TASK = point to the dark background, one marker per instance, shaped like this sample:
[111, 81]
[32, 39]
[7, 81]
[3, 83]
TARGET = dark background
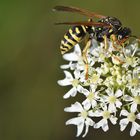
[31, 103]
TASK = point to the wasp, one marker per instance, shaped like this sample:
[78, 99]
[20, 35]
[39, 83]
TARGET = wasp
[105, 28]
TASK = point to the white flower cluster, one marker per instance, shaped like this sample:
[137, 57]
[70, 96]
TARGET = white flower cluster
[112, 90]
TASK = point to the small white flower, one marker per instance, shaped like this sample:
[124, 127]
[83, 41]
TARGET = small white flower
[131, 117]
[95, 79]
[110, 81]
[112, 99]
[82, 120]
[104, 69]
[133, 79]
[100, 53]
[69, 80]
[130, 59]
[91, 97]
[121, 80]
[106, 115]
[115, 70]
[134, 99]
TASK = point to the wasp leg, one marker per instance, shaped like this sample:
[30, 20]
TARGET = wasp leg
[105, 42]
[88, 44]
[114, 39]
[121, 43]
[118, 59]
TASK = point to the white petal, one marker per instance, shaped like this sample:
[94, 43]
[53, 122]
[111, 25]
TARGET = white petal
[138, 116]
[133, 130]
[74, 108]
[133, 107]
[82, 90]
[97, 113]
[77, 74]
[112, 108]
[105, 125]
[109, 92]
[88, 123]
[118, 104]
[135, 93]
[90, 113]
[71, 57]
[86, 104]
[79, 121]
[93, 103]
[118, 93]
[80, 65]
[64, 82]
[68, 75]
[102, 123]
[74, 56]
[124, 113]
[80, 128]
[73, 66]
[77, 49]
[66, 66]
[123, 123]
[137, 126]
[72, 92]
[128, 98]
[99, 124]
[85, 92]
[95, 53]
[104, 98]
[75, 121]
[113, 120]
[67, 80]
[93, 88]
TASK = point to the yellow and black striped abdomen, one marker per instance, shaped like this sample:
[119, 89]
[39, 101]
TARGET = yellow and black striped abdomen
[72, 37]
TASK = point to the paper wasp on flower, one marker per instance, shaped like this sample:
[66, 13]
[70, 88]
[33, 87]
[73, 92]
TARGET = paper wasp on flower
[106, 28]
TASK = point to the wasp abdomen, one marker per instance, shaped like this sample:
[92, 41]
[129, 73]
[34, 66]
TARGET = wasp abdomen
[72, 37]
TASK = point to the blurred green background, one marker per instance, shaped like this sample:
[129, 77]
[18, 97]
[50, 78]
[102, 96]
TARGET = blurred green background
[31, 103]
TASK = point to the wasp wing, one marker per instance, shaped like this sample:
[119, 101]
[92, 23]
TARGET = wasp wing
[78, 10]
[84, 23]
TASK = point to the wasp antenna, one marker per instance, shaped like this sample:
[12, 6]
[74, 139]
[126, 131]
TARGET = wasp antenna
[54, 9]
[58, 23]
[62, 23]
[58, 8]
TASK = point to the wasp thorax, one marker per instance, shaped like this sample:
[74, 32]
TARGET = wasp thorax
[114, 22]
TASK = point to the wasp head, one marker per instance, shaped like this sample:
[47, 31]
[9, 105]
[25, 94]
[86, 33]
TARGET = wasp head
[123, 33]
